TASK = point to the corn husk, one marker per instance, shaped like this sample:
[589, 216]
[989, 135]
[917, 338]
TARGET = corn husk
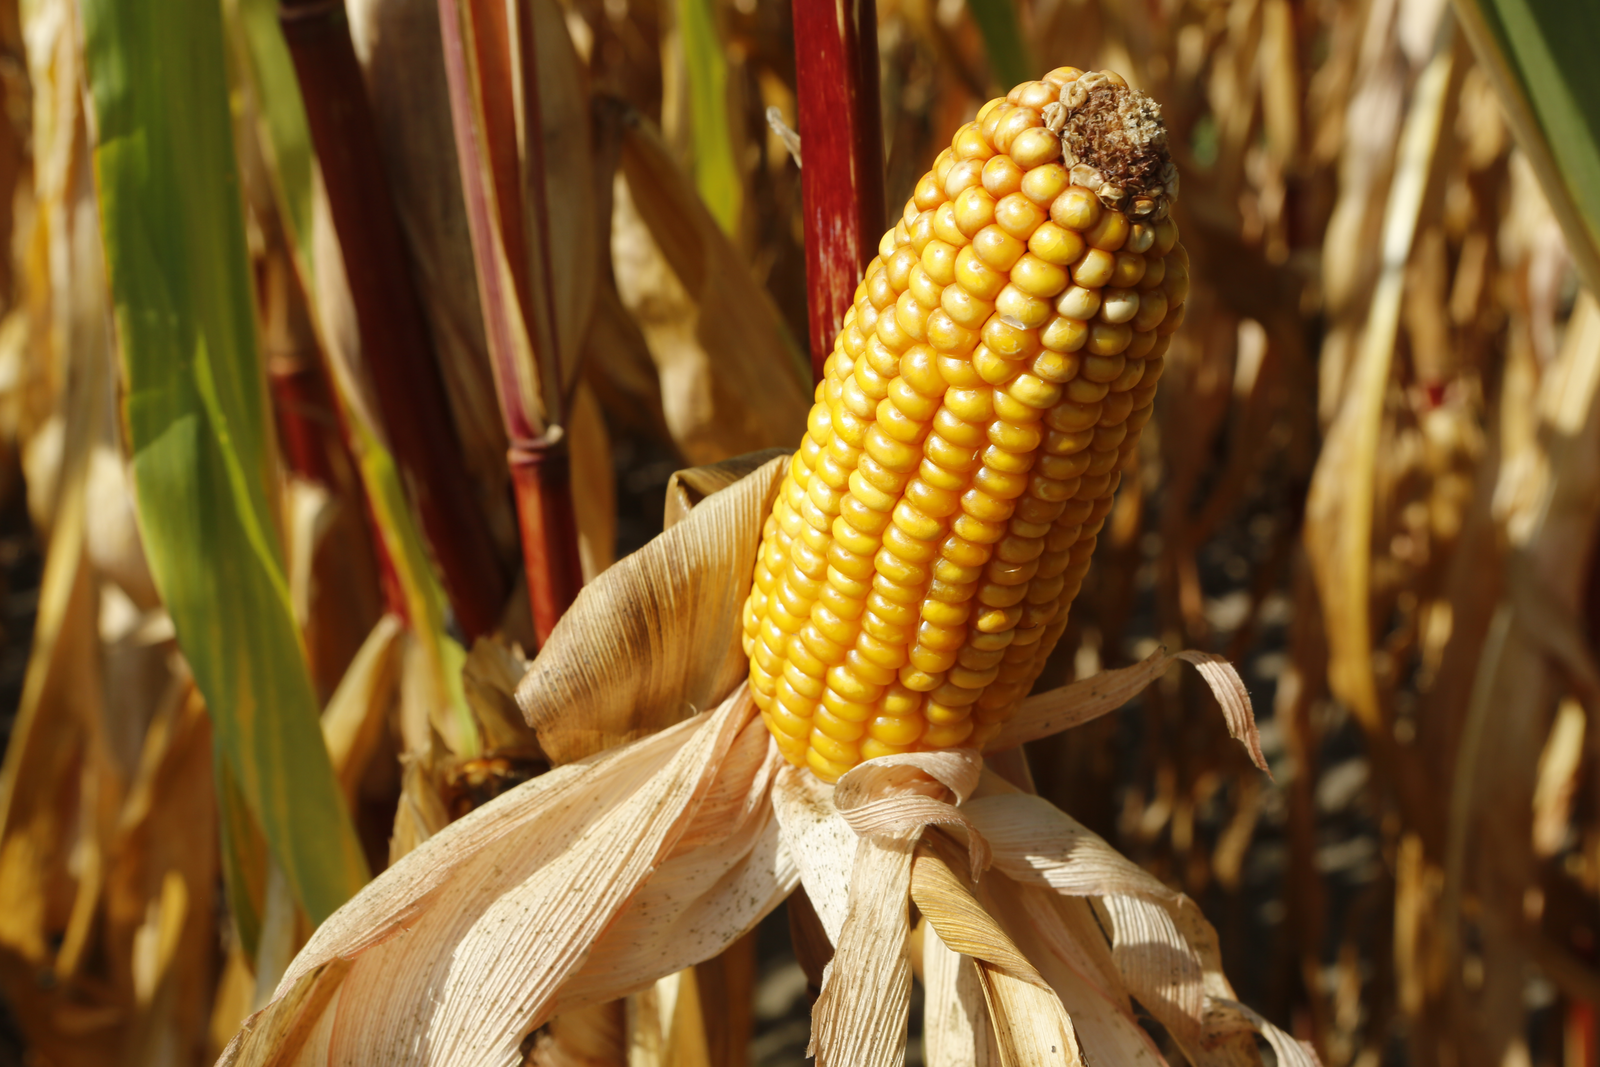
[620, 869]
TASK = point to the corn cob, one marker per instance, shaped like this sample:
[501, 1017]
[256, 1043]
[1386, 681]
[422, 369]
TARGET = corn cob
[985, 392]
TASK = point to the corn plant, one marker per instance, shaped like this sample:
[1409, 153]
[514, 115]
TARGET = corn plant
[292, 382]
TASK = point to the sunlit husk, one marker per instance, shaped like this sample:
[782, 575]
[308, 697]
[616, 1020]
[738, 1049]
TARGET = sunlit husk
[613, 872]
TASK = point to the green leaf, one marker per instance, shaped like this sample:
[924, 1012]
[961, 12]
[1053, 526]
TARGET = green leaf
[716, 174]
[244, 860]
[172, 222]
[287, 139]
[1541, 55]
[1009, 62]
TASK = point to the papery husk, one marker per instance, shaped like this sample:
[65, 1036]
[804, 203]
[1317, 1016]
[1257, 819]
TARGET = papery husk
[611, 873]
[698, 788]
[655, 638]
[1067, 945]
[1164, 950]
[503, 911]
[821, 842]
[955, 1020]
[690, 486]
[1030, 1023]
[860, 1016]
[1072, 705]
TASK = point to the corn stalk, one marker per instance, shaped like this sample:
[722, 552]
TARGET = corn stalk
[492, 62]
[405, 378]
[836, 70]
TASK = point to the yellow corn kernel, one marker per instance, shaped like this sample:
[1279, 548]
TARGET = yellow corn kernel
[1094, 268]
[990, 380]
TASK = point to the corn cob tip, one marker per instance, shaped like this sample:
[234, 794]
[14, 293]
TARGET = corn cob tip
[1113, 142]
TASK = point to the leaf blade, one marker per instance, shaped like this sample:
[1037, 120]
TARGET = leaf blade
[196, 410]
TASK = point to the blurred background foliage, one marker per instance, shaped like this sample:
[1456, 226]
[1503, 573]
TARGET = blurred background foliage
[1373, 481]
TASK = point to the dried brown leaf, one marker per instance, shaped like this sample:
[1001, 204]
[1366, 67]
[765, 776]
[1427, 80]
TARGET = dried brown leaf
[277, 1033]
[1060, 932]
[859, 1020]
[594, 491]
[358, 712]
[731, 378]
[542, 901]
[821, 842]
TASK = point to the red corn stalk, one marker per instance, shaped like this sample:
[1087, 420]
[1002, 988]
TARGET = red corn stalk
[519, 314]
[394, 334]
[841, 182]
[301, 404]
[314, 437]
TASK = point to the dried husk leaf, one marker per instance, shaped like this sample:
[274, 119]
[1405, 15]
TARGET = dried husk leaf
[1061, 944]
[821, 842]
[541, 901]
[728, 871]
[690, 486]
[894, 794]
[1073, 705]
[1225, 1016]
[955, 1020]
[278, 1033]
[860, 1016]
[1163, 948]
[656, 637]
[1066, 928]
[1030, 1024]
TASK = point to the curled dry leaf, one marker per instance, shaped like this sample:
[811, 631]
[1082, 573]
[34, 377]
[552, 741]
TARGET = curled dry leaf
[686, 488]
[955, 1020]
[357, 713]
[860, 1016]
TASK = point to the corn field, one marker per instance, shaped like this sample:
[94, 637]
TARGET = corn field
[432, 628]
